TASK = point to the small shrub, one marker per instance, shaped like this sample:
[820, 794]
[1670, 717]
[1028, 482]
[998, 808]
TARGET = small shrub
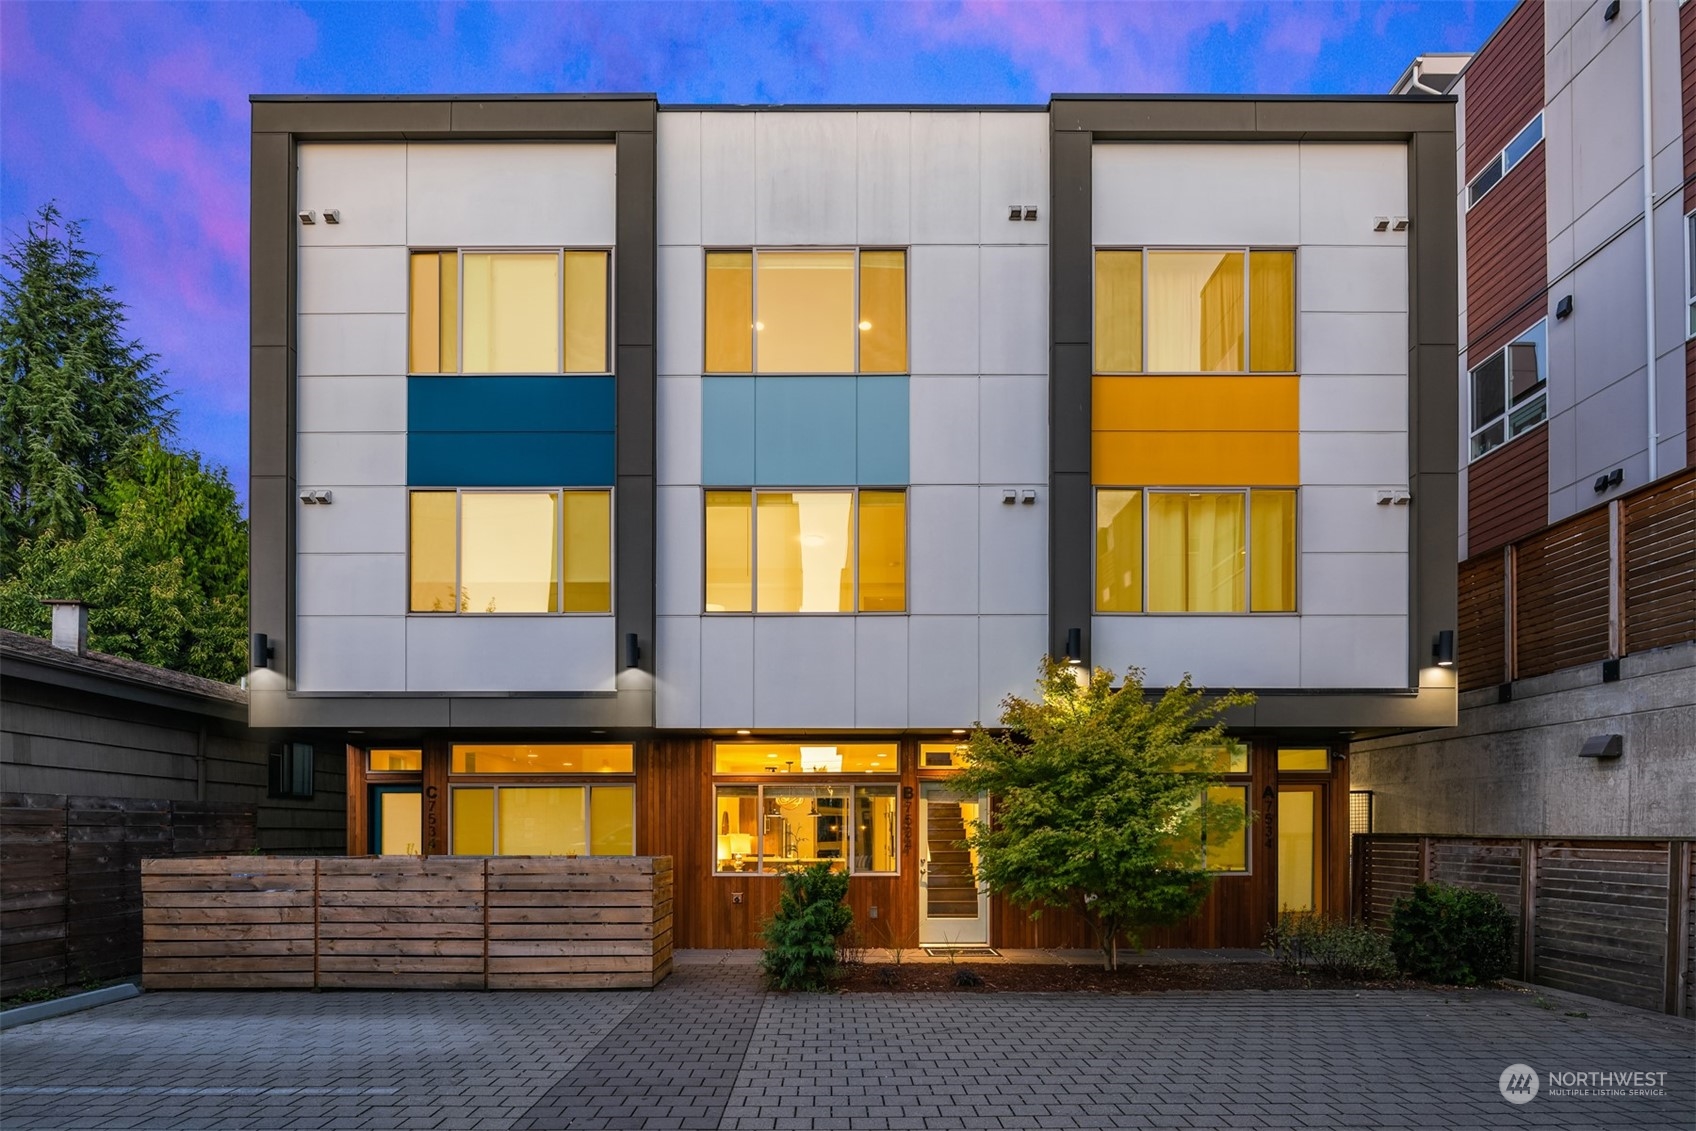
[965, 977]
[802, 939]
[1304, 943]
[1453, 935]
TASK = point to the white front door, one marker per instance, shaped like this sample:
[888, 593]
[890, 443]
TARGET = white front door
[953, 908]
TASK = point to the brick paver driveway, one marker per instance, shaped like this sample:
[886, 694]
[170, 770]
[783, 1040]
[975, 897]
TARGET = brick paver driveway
[708, 1049]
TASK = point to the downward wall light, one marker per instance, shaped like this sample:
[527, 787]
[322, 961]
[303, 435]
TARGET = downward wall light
[262, 650]
[632, 650]
[1443, 648]
[1074, 645]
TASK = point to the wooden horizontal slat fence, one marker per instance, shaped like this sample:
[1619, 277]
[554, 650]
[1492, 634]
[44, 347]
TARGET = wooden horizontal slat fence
[1611, 918]
[70, 879]
[1615, 579]
[388, 922]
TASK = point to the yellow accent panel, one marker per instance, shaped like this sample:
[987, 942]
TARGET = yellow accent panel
[1197, 459]
[1196, 404]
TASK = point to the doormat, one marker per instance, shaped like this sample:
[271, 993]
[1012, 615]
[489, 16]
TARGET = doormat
[962, 952]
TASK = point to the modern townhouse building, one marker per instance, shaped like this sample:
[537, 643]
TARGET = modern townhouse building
[689, 480]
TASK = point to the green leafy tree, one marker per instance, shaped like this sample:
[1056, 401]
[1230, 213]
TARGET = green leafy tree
[164, 573]
[79, 397]
[1101, 800]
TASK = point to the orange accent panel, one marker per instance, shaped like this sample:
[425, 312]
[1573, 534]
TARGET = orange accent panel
[1197, 404]
[1197, 459]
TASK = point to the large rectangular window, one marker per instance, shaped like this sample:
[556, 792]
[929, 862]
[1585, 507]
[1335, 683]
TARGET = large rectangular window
[1509, 390]
[543, 820]
[806, 551]
[509, 312]
[510, 552]
[770, 828]
[812, 311]
[1223, 310]
[1177, 551]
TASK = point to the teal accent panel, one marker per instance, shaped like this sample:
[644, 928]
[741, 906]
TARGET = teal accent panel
[510, 431]
[510, 404]
[509, 459]
[882, 431]
[804, 431]
[727, 431]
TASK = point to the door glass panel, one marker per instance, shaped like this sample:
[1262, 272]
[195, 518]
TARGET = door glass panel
[951, 887]
[400, 822]
[1298, 850]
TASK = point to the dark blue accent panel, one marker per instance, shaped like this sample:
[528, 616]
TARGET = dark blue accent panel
[510, 404]
[509, 459]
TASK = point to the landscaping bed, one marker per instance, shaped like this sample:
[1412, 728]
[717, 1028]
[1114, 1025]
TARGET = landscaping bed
[1023, 977]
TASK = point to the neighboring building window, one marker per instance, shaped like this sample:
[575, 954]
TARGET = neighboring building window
[1690, 276]
[825, 551]
[806, 311]
[1510, 390]
[510, 552]
[1512, 154]
[1213, 311]
[771, 826]
[291, 771]
[1177, 551]
[582, 817]
[509, 312]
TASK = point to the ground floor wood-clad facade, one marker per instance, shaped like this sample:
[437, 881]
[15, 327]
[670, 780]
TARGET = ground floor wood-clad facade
[732, 812]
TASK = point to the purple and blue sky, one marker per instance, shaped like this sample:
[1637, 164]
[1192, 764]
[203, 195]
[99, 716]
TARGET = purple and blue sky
[134, 116]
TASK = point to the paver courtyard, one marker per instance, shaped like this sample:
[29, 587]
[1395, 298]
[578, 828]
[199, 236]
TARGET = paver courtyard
[709, 1049]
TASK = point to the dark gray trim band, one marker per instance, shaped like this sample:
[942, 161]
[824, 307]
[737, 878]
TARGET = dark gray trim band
[1426, 125]
[280, 124]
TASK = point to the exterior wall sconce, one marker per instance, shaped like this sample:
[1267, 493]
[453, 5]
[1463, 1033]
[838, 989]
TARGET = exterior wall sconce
[632, 650]
[1021, 212]
[263, 650]
[1400, 224]
[1611, 12]
[1030, 212]
[332, 215]
[1074, 646]
[1443, 648]
[1028, 498]
[1393, 496]
[1563, 308]
[1009, 497]
[317, 497]
[1608, 479]
[1380, 223]
[1603, 746]
[307, 216]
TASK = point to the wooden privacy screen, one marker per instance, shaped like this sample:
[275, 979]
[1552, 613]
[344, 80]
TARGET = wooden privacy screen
[1481, 622]
[388, 922]
[1660, 566]
[1610, 918]
[1560, 614]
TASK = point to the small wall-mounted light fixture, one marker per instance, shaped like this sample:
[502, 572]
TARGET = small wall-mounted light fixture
[1009, 496]
[1400, 224]
[1074, 646]
[1392, 496]
[319, 496]
[262, 651]
[1608, 479]
[1611, 12]
[632, 650]
[1603, 746]
[1030, 212]
[1015, 212]
[1380, 223]
[307, 216]
[1027, 497]
[1563, 308]
[1443, 648]
[332, 215]
[744, 732]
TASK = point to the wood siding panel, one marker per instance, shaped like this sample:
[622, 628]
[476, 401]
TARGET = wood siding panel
[1481, 622]
[1504, 85]
[1507, 258]
[1660, 565]
[1687, 83]
[1560, 614]
[1507, 492]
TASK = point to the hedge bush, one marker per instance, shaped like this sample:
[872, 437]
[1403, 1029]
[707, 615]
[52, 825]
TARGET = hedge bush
[1303, 942]
[802, 940]
[1450, 934]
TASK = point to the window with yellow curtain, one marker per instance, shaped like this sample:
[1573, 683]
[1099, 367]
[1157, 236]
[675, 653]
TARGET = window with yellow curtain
[1118, 551]
[586, 569]
[730, 312]
[586, 312]
[883, 551]
[803, 551]
[511, 312]
[730, 551]
[433, 547]
[883, 312]
[1272, 311]
[1195, 552]
[509, 551]
[1272, 551]
[1195, 311]
[433, 331]
[804, 312]
[1118, 311]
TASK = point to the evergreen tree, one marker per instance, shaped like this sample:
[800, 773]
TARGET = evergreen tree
[79, 398]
